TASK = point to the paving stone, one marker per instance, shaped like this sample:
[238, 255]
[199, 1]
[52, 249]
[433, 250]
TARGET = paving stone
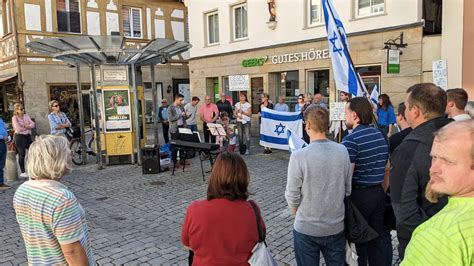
[133, 222]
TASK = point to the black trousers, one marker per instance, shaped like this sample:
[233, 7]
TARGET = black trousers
[371, 203]
[208, 134]
[166, 132]
[22, 143]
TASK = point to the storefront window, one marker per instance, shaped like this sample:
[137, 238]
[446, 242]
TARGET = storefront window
[287, 84]
[231, 95]
[318, 82]
[66, 95]
[371, 76]
[149, 100]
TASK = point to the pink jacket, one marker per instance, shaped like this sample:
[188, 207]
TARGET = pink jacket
[20, 124]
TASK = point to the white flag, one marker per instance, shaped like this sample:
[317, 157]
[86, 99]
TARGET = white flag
[344, 72]
[274, 126]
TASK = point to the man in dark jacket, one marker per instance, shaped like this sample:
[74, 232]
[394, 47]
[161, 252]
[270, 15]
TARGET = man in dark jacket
[225, 106]
[411, 161]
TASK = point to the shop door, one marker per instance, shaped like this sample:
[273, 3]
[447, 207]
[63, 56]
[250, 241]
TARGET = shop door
[256, 85]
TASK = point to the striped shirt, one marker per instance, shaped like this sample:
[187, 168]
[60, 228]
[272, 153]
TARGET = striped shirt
[368, 150]
[445, 239]
[49, 215]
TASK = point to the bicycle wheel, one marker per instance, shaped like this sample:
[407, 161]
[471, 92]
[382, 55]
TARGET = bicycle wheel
[76, 151]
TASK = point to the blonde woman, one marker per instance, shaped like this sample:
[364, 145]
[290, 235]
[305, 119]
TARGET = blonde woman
[52, 222]
[22, 125]
[58, 120]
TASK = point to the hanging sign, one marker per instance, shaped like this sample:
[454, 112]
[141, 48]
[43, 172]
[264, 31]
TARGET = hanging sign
[440, 74]
[393, 61]
[239, 83]
[117, 110]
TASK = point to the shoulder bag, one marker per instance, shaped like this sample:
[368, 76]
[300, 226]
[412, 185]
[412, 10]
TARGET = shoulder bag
[260, 254]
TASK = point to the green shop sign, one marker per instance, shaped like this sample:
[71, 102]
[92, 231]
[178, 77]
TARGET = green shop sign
[252, 62]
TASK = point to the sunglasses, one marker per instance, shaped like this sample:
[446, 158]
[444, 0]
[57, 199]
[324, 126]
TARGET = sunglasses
[55, 105]
[300, 98]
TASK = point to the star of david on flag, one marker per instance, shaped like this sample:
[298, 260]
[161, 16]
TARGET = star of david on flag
[344, 72]
[274, 127]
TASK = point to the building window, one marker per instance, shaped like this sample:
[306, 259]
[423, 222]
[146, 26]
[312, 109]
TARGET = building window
[318, 82]
[5, 26]
[132, 22]
[69, 16]
[287, 84]
[370, 76]
[240, 22]
[315, 14]
[212, 28]
[66, 95]
[366, 8]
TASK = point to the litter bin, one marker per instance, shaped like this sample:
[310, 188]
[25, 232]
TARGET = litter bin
[11, 170]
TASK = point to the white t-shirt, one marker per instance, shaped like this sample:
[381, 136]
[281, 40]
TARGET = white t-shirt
[241, 108]
[191, 112]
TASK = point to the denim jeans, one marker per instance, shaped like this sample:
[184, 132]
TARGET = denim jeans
[308, 249]
[3, 158]
[193, 127]
[244, 134]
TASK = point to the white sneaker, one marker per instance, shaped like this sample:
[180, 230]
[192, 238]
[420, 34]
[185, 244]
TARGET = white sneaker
[247, 152]
[23, 175]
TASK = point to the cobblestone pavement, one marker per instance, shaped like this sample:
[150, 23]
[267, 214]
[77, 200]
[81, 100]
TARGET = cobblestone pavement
[133, 220]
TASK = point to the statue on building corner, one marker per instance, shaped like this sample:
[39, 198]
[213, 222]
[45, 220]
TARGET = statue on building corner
[271, 10]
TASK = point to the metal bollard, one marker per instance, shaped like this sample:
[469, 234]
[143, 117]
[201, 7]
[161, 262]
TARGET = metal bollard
[11, 170]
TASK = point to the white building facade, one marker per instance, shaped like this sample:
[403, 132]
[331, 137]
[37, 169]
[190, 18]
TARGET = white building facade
[287, 54]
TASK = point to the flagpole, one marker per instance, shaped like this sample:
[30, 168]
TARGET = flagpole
[361, 84]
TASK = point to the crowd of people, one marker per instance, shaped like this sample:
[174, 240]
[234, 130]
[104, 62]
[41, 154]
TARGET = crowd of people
[418, 181]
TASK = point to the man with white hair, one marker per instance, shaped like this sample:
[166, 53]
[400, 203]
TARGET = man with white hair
[448, 237]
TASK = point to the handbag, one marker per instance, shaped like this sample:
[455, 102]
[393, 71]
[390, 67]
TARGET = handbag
[260, 254]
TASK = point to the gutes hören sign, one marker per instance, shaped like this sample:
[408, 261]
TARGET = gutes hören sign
[310, 55]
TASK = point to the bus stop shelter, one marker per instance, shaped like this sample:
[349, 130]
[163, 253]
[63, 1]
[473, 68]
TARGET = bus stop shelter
[93, 51]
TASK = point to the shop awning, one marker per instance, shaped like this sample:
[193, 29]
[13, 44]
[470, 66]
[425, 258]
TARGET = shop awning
[105, 50]
[7, 77]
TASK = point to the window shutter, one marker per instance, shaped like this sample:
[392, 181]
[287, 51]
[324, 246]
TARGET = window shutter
[74, 16]
[137, 32]
[126, 22]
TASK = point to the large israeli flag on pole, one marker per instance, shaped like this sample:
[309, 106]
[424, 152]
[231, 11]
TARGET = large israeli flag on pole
[344, 73]
[274, 125]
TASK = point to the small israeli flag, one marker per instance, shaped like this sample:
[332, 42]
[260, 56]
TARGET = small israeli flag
[295, 142]
[274, 126]
[374, 96]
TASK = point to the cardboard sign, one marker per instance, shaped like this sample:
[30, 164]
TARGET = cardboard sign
[239, 83]
[440, 74]
[336, 111]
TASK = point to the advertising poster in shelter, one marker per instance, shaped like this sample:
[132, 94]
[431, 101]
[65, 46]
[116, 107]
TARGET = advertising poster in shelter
[117, 110]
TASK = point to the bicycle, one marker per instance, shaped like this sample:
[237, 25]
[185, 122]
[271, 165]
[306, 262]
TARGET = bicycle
[75, 146]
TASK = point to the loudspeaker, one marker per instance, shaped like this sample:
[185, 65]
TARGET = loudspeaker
[151, 161]
[151, 165]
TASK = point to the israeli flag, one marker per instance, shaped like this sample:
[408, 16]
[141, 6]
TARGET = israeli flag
[374, 96]
[295, 142]
[344, 72]
[274, 125]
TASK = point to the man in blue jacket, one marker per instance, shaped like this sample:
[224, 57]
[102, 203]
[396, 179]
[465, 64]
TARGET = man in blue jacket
[3, 153]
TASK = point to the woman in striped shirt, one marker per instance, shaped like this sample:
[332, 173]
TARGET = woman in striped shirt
[52, 222]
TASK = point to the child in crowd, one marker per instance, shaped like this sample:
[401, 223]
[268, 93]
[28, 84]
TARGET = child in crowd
[224, 121]
[232, 137]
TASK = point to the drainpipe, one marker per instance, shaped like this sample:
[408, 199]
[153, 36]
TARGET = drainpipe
[19, 85]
